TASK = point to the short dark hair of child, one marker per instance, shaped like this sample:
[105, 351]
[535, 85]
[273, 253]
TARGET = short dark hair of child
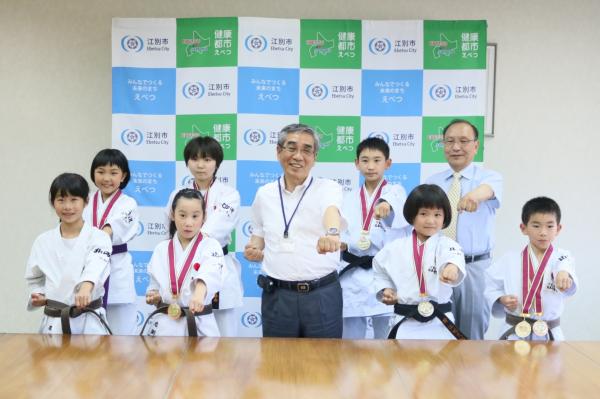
[429, 196]
[540, 205]
[203, 147]
[110, 156]
[466, 122]
[184, 193]
[373, 143]
[69, 184]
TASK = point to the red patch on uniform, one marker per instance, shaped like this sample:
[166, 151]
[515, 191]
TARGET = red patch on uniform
[196, 266]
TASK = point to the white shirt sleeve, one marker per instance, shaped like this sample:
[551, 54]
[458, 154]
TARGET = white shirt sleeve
[449, 251]
[211, 262]
[494, 285]
[222, 220]
[567, 263]
[396, 197]
[381, 278]
[34, 276]
[96, 266]
[124, 220]
[257, 216]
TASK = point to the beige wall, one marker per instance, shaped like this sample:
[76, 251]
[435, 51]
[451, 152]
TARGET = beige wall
[55, 112]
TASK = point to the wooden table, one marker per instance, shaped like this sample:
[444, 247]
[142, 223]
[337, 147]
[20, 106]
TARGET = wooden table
[40, 366]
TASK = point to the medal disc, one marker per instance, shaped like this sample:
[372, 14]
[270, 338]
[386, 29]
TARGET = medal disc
[174, 311]
[363, 242]
[523, 329]
[425, 308]
[540, 328]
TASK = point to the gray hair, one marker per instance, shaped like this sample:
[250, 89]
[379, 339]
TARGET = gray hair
[298, 128]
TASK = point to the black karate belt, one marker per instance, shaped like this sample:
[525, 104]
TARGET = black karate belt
[65, 312]
[162, 307]
[366, 262]
[119, 249]
[269, 283]
[514, 320]
[439, 311]
[476, 258]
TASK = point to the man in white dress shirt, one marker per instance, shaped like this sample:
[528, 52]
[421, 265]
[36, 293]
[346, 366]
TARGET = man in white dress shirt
[296, 222]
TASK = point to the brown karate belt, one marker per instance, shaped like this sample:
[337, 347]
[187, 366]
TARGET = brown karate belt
[514, 320]
[190, 317]
[65, 312]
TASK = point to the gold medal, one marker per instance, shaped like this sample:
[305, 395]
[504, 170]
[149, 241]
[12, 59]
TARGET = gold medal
[540, 328]
[363, 241]
[523, 329]
[425, 308]
[174, 310]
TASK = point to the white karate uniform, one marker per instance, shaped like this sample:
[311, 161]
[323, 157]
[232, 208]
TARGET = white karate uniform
[394, 268]
[357, 284]
[505, 277]
[209, 257]
[123, 220]
[56, 268]
[221, 219]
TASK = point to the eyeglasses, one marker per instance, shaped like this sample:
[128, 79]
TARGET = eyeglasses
[461, 142]
[293, 149]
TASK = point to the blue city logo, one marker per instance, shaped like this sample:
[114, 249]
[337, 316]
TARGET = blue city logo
[132, 44]
[247, 229]
[381, 135]
[439, 92]
[255, 43]
[251, 319]
[380, 46]
[255, 137]
[317, 91]
[187, 181]
[132, 137]
[140, 229]
[193, 90]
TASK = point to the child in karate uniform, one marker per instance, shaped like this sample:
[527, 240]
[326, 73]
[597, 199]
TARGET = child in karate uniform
[416, 273]
[68, 265]
[203, 155]
[528, 288]
[185, 273]
[116, 214]
[373, 212]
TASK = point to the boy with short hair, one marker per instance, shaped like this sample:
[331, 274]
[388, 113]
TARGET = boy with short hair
[528, 288]
[372, 214]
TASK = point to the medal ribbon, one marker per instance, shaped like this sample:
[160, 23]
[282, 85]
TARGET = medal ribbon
[288, 222]
[532, 282]
[366, 217]
[177, 282]
[106, 211]
[205, 196]
[418, 258]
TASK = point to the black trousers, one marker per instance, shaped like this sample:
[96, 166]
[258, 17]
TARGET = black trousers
[316, 314]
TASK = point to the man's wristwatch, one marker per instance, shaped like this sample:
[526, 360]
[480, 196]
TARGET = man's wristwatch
[332, 231]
